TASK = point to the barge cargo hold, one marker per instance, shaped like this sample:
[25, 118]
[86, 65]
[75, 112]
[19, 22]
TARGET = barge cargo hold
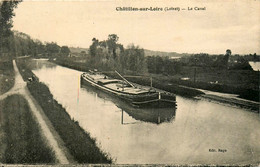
[136, 96]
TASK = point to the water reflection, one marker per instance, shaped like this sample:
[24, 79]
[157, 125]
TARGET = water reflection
[150, 115]
[41, 63]
[156, 116]
[255, 65]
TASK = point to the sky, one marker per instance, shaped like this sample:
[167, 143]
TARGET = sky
[233, 24]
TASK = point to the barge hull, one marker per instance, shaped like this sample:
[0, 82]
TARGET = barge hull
[157, 102]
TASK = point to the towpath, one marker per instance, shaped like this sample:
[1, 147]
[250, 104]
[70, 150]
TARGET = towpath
[232, 99]
[53, 139]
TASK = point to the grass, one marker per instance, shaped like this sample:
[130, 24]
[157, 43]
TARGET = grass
[6, 76]
[23, 142]
[81, 146]
[245, 83]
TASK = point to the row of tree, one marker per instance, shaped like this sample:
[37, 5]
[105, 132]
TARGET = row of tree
[21, 44]
[217, 61]
[109, 54]
[165, 65]
[206, 60]
[6, 15]
[13, 43]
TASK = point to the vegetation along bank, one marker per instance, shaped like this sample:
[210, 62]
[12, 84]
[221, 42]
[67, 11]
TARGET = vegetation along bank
[81, 146]
[6, 76]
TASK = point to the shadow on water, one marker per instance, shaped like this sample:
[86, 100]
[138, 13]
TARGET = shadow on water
[149, 115]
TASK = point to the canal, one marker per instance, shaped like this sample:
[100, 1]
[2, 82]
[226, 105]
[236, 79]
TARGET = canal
[255, 65]
[197, 131]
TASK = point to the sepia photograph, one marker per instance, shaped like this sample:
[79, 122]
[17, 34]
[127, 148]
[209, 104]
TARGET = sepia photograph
[129, 83]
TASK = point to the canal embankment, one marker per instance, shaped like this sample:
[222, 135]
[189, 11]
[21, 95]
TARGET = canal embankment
[80, 145]
[231, 99]
[247, 104]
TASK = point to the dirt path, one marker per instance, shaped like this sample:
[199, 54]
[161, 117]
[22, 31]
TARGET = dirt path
[48, 132]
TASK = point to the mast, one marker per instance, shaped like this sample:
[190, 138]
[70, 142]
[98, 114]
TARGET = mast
[124, 79]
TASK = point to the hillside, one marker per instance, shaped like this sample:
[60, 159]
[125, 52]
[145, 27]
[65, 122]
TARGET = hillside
[78, 50]
[146, 51]
[163, 54]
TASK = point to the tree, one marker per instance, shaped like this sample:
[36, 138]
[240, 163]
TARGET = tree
[113, 37]
[151, 64]
[83, 53]
[168, 66]
[135, 58]
[93, 47]
[159, 66]
[40, 47]
[52, 48]
[65, 50]
[226, 58]
[108, 53]
[112, 44]
[6, 15]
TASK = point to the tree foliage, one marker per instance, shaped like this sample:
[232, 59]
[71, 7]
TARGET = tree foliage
[65, 50]
[110, 54]
[21, 44]
[163, 65]
[52, 48]
[135, 58]
[6, 15]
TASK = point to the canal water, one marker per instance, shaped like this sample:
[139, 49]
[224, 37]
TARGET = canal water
[197, 132]
[255, 65]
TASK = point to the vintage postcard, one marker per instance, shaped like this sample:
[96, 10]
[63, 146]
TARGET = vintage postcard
[130, 83]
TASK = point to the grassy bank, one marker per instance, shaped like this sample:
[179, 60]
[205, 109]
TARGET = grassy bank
[22, 142]
[242, 82]
[157, 82]
[6, 76]
[81, 146]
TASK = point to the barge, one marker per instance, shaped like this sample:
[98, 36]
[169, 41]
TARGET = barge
[136, 96]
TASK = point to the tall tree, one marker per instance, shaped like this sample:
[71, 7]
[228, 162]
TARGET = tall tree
[52, 48]
[6, 15]
[65, 50]
[112, 44]
[93, 48]
[136, 60]
[226, 57]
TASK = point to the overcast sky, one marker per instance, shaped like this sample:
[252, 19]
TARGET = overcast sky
[223, 25]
